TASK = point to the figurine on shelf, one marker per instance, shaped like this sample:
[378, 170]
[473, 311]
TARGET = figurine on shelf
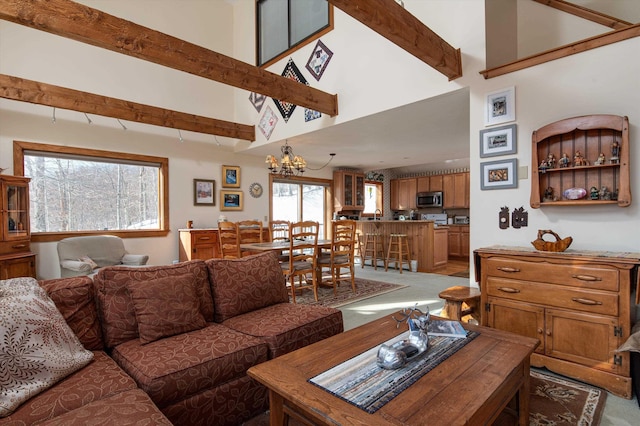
[578, 160]
[543, 166]
[601, 159]
[614, 195]
[594, 193]
[615, 152]
[548, 195]
[604, 193]
[564, 160]
[551, 161]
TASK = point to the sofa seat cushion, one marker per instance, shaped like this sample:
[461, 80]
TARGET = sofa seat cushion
[288, 326]
[177, 367]
[115, 304]
[246, 284]
[100, 379]
[133, 407]
[75, 299]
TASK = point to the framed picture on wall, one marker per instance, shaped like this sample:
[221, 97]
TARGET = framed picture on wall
[500, 106]
[204, 192]
[499, 174]
[498, 141]
[231, 200]
[230, 176]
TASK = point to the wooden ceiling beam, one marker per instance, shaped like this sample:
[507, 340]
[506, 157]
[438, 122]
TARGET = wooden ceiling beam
[19, 89]
[85, 24]
[586, 13]
[393, 22]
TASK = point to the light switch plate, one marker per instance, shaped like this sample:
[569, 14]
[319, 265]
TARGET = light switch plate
[523, 172]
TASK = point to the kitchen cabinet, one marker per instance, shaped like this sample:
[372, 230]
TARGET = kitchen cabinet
[198, 244]
[348, 190]
[458, 239]
[431, 183]
[456, 190]
[577, 304]
[565, 157]
[16, 258]
[403, 193]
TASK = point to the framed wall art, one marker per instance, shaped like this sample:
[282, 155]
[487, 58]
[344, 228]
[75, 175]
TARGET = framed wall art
[230, 176]
[231, 200]
[204, 192]
[500, 106]
[498, 141]
[499, 174]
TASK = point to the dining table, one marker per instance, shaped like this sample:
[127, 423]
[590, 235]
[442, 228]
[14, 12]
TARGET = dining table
[279, 245]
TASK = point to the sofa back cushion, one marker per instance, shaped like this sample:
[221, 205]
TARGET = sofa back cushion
[75, 299]
[115, 304]
[246, 284]
[165, 307]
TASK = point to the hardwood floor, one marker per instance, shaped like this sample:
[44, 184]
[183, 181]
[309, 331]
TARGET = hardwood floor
[454, 265]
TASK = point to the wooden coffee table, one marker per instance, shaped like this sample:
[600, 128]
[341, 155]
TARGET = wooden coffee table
[472, 387]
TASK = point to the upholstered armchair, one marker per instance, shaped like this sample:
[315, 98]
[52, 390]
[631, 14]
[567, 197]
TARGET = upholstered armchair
[85, 255]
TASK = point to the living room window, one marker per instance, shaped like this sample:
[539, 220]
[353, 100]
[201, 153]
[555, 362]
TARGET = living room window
[76, 191]
[285, 25]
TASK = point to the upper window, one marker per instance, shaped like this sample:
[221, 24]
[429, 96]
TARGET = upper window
[80, 191]
[372, 199]
[283, 25]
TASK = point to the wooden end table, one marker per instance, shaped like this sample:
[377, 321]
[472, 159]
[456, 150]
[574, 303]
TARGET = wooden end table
[473, 386]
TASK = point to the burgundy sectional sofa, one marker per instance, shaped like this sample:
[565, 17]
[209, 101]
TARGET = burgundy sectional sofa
[173, 343]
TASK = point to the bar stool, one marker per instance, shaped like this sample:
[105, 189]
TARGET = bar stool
[373, 249]
[460, 301]
[398, 248]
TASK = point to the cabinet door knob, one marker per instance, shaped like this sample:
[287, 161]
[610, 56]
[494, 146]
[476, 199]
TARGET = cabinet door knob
[508, 269]
[548, 332]
[586, 301]
[586, 278]
[509, 290]
[540, 331]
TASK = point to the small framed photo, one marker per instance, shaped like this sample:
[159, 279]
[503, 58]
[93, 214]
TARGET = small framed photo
[204, 192]
[498, 141]
[500, 107]
[499, 174]
[230, 176]
[231, 200]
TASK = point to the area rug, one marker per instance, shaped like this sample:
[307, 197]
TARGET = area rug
[461, 274]
[364, 290]
[559, 401]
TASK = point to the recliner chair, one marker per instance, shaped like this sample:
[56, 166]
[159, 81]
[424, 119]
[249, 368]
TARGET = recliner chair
[85, 255]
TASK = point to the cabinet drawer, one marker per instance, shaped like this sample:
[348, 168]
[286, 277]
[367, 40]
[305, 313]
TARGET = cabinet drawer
[204, 237]
[594, 301]
[575, 275]
[13, 247]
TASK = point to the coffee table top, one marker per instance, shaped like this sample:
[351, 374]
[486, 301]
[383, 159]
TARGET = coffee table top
[470, 387]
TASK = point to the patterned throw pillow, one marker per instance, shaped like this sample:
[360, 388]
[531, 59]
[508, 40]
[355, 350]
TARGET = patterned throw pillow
[37, 347]
[165, 307]
[90, 261]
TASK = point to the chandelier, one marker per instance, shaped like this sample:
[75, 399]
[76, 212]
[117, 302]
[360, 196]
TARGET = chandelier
[290, 164]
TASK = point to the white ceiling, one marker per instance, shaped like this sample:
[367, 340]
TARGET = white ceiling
[432, 134]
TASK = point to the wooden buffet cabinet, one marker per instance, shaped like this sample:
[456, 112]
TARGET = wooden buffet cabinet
[579, 305]
[199, 244]
[16, 258]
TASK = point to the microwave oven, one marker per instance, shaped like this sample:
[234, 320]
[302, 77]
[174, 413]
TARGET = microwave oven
[429, 199]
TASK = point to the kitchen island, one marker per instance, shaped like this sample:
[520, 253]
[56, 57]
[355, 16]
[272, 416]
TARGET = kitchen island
[428, 243]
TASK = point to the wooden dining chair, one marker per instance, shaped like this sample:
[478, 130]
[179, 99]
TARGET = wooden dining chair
[279, 231]
[303, 253]
[229, 240]
[339, 257]
[249, 231]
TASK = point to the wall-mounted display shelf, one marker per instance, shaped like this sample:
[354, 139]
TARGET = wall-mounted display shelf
[581, 161]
